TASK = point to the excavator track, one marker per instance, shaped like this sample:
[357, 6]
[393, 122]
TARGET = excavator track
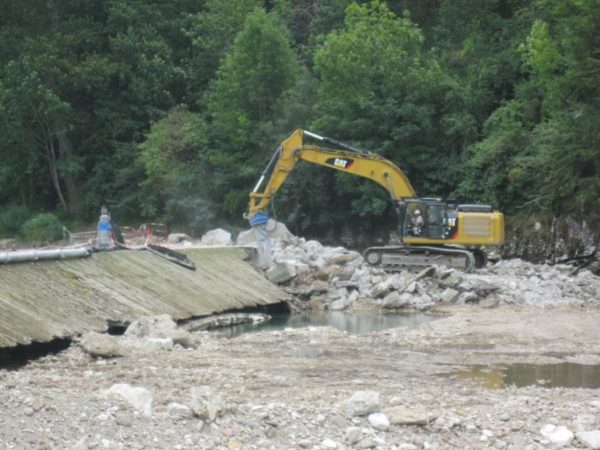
[400, 256]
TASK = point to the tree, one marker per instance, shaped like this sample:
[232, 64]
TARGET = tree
[242, 105]
[177, 183]
[212, 32]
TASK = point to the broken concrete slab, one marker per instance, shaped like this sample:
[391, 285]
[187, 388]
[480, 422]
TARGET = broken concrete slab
[42, 301]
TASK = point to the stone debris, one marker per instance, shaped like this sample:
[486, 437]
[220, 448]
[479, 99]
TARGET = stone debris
[102, 345]
[336, 278]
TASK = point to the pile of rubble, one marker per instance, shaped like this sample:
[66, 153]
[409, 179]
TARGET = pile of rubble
[336, 278]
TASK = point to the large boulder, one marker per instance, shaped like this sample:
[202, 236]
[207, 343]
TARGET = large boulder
[138, 397]
[102, 345]
[281, 273]
[161, 326]
[362, 403]
[217, 236]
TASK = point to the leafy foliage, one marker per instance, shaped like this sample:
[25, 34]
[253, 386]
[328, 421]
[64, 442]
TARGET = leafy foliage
[169, 110]
[12, 218]
[42, 228]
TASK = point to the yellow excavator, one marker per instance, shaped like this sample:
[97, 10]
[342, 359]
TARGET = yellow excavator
[431, 231]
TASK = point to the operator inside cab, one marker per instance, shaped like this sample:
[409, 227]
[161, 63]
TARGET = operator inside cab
[417, 223]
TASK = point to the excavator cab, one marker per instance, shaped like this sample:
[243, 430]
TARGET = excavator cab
[425, 218]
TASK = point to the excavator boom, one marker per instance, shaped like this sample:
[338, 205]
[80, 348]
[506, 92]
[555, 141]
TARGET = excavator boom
[350, 160]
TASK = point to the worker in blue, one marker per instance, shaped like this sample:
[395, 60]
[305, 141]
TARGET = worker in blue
[259, 225]
[104, 234]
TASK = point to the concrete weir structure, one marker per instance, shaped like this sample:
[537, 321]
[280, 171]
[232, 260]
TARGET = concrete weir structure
[44, 300]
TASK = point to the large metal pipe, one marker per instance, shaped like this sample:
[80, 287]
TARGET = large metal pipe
[18, 256]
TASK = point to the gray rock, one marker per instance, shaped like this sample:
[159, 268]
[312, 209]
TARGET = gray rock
[152, 344]
[160, 326]
[591, 439]
[280, 273]
[491, 301]
[205, 403]
[379, 421]
[362, 403]
[467, 297]
[278, 230]
[366, 443]
[396, 300]
[483, 288]
[138, 397]
[344, 258]
[338, 421]
[123, 419]
[102, 345]
[451, 281]
[404, 415]
[340, 304]
[216, 237]
[353, 435]
[448, 296]
[224, 320]
[179, 410]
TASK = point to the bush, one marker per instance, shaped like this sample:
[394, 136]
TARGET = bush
[42, 228]
[12, 218]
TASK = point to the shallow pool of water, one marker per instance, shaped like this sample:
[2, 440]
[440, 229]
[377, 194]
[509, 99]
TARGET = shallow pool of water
[351, 323]
[521, 374]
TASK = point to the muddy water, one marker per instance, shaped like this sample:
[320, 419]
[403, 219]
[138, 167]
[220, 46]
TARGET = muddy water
[521, 374]
[351, 323]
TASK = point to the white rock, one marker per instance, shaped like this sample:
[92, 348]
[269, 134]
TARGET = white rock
[559, 436]
[362, 403]
[328, 443]
[138, 397]
[591, 439]
[216, 237]
[379, 421]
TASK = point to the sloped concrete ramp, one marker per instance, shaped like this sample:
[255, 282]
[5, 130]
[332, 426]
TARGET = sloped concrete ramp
[41, 301]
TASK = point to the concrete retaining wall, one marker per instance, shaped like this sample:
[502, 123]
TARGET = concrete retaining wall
[41, 301]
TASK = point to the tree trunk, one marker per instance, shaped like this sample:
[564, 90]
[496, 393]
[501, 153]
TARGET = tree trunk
[65, 150]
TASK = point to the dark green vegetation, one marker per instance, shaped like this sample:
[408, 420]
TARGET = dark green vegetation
[170, 110]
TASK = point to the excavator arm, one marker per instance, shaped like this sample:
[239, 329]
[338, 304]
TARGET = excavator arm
[349, 159]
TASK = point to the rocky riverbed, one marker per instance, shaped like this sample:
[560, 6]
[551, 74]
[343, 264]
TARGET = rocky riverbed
[436, 386]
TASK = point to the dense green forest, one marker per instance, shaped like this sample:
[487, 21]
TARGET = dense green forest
[169, 110]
